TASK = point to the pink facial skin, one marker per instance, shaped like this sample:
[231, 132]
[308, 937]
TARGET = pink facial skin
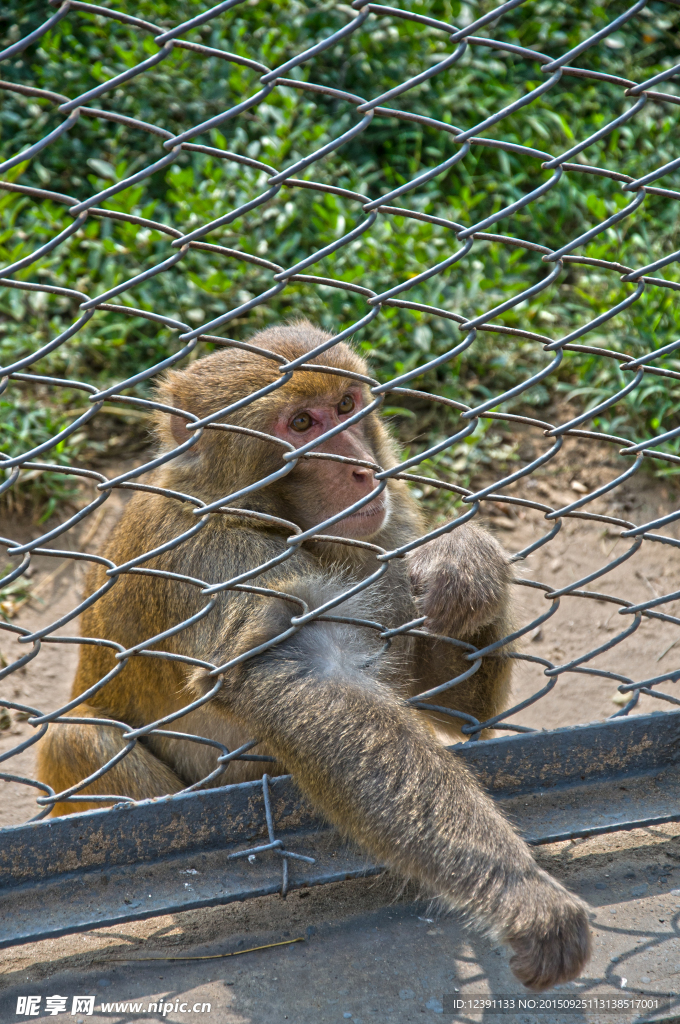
[339, 485]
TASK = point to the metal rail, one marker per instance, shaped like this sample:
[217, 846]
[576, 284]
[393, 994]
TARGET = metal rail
[24, 274]
[215, 847]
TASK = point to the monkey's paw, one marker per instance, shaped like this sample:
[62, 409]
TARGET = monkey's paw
[555, 947]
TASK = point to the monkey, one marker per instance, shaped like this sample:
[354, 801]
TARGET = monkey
[325, 699]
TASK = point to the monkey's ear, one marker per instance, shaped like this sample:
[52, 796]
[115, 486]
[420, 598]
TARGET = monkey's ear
[178, 426]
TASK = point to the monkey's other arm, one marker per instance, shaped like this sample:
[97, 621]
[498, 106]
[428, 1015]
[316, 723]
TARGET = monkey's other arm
[461, 583]
[461, 580]
[365, 759]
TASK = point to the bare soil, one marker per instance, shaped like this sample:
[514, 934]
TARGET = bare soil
[581, 625]
[578, 626]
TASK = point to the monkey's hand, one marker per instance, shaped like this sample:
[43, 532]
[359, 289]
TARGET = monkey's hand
[550, 936]
[460, 581]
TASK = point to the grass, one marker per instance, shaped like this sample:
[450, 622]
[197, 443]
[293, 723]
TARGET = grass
[83, 50]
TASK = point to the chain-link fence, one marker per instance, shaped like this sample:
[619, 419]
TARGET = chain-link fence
[271, 188]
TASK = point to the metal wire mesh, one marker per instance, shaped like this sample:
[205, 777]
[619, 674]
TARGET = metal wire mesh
[360, 18]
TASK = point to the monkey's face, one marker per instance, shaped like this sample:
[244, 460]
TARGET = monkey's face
[320, 488]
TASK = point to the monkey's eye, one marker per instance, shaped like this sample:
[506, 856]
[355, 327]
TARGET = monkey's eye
[302, 422]
[346, 405]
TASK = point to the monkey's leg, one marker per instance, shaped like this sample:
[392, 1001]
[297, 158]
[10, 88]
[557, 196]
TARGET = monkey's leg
[369, 764]
[69, 753]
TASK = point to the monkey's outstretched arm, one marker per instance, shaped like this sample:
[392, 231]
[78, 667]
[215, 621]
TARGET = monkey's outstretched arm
[366, 761]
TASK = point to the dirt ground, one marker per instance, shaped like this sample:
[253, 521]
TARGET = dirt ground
[578, 626]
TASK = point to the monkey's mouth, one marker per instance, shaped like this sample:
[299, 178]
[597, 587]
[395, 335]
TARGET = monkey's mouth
[366, 520]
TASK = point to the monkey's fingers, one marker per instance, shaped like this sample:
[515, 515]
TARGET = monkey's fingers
[556, 947]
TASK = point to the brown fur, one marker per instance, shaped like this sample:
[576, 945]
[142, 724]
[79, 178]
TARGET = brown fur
[322, 702]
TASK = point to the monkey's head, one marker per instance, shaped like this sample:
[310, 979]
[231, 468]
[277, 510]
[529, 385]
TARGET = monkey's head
[309, 404]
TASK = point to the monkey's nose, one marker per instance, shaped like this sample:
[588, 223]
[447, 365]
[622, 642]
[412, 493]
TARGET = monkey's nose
[363, 478]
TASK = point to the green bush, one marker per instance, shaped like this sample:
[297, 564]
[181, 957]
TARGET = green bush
[84, 50]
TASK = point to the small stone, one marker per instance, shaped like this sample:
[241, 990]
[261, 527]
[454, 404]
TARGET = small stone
[645, 980]
[675, 892]
[556, 565]
[620, 698]
[577, 486]
[347, 1016]
[614, 959]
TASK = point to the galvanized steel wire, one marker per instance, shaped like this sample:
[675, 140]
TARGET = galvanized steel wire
[368, 209]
